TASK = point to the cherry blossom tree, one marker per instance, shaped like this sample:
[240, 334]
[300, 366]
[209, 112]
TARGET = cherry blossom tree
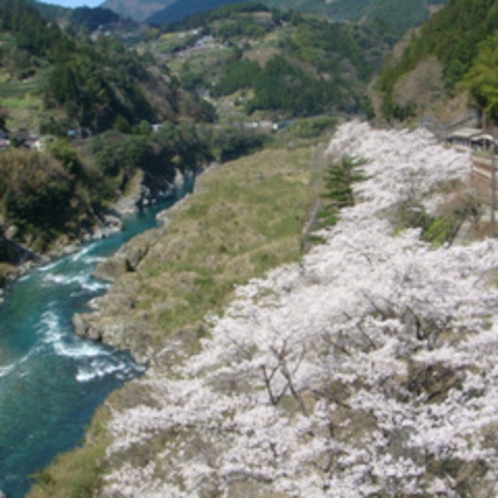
[368, 368]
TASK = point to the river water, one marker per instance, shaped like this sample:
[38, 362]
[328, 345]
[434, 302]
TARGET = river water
[51, 381]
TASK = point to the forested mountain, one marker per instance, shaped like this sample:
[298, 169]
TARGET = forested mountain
[91, 83]
[50, 11]
[90, 19]
[87, 17]
[283, 63]
[61, 85]
[460, 44]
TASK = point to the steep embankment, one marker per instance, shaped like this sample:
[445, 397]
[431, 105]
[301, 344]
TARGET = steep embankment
[240, 222]
[368, 368]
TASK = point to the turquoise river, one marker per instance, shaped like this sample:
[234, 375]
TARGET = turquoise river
[51, 381]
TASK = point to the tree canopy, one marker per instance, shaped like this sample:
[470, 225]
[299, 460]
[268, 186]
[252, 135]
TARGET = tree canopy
[454, 35]
[482, 78]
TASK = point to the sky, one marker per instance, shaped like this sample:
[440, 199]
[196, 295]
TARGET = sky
[75, 3]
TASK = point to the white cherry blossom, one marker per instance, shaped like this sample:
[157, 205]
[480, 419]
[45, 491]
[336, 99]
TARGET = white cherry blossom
[369, 368]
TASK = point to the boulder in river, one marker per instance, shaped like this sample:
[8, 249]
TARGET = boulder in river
[125, 260]
[84, 329]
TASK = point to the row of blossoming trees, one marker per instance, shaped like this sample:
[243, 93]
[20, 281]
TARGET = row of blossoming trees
[368, 369]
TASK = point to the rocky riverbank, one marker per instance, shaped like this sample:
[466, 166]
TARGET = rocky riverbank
[114, 319]
[12, 255]
[17, 259]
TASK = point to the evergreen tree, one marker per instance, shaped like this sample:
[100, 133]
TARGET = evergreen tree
[339, 191]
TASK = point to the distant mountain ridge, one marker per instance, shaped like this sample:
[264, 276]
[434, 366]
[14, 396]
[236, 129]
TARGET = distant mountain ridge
[398, 14]
[183, 8]
[138, 10]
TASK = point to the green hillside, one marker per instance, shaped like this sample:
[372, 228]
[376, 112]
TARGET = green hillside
[461, 38]
[273, 64]
[52, 81]
[62, 86]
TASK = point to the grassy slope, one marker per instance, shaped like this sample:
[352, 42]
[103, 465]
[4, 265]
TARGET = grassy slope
[21, 99]
[246, 217]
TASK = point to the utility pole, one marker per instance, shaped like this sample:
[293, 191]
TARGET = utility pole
[493, 187]
[493, 179]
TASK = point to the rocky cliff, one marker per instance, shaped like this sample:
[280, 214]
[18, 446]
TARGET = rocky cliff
[12, 255]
